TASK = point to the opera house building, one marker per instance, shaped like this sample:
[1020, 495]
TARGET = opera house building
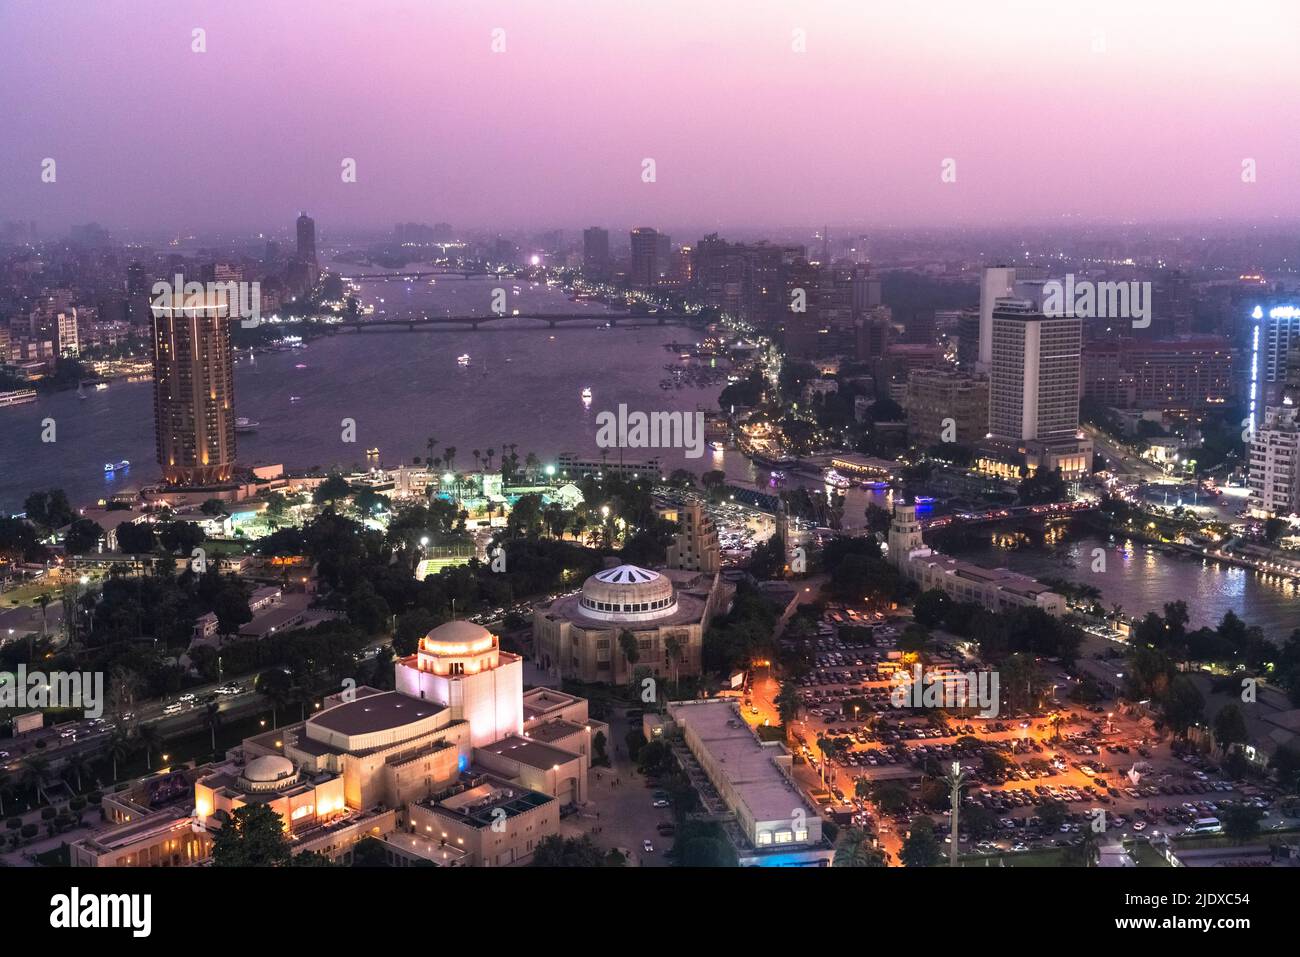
[441, 770]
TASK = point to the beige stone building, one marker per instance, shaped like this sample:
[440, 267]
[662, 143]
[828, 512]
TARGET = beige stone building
[577, 636]
[383, 764]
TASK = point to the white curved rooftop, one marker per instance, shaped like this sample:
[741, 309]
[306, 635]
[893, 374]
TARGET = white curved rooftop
[626, 575]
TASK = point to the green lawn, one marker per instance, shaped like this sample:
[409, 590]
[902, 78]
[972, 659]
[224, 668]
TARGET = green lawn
[1047, 857]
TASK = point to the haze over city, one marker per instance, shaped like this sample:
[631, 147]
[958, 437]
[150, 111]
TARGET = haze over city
[1106, 112]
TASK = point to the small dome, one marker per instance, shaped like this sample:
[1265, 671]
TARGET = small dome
[268, 769]
[457, 633]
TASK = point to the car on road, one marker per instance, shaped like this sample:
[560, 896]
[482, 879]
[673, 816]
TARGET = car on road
[186, 698]
[647, 847]
[661, 803]
[173, 708]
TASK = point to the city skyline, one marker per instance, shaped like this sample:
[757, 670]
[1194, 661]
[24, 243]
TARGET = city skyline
[648, 434]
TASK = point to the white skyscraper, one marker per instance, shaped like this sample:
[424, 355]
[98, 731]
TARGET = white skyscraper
[996, 282]
[1274, 476]
[1034, 374]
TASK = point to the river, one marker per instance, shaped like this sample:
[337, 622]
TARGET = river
[1141, 578]
[523, 385]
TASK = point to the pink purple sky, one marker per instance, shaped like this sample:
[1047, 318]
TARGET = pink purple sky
[552, 132]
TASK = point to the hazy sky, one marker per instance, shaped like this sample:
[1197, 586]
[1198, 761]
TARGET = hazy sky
[744, 130]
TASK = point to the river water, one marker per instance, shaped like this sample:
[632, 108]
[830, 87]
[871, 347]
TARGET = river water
[1141, 578]
[523, 385]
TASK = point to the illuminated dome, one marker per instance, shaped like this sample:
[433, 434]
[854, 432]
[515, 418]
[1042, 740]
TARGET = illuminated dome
[268, 773]
[456, 636]
[457, 648]
[627, 594]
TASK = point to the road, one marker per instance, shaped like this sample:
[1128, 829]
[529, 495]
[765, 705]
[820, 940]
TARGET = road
[1117, 455]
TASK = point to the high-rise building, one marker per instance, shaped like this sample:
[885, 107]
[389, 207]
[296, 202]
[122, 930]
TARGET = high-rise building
[875, 331]
[595, 253]
[1274, 467]
[1170, 374]
[194, 389]
[803, 291]
[747, 281]
[1034, 376]
[1034, 373]
[1274, 344]
[643, 273]
[996, 282]
[865, 291]
[663, 256]
[307, 239]
[54, 320]
[946, 407]
[968, 339]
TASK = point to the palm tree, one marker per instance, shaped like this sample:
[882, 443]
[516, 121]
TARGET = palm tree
[79, 764]
[853, 849]
[449, 456]
[673, 646]
[631, 653]
[212, 718]
[787, 704]
[119, 749]
[150, 739]
[35, 770]
[431, 444]
[43, 600]
[1056, 720]
[1088, 851]
[827, 747]
[478, 457]
[488, 455]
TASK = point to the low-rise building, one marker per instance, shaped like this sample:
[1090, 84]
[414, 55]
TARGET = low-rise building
[997, 589]
[775, 826]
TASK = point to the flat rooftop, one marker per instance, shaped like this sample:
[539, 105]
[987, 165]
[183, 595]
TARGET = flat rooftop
[117, 838]
[1003, 578]
[535, 754]
[477, 805]
[555, 730]
[542, 701]
[747, 764]
[389, 709]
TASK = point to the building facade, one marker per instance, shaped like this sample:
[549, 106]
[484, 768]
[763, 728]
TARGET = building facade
[944, 407]
[1274, 466]
[194, 388]
[997, 589]
[666, 612]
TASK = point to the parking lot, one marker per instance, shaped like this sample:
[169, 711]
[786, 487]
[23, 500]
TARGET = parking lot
[1079, 763]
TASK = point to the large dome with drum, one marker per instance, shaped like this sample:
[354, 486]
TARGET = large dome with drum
[628, 593]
